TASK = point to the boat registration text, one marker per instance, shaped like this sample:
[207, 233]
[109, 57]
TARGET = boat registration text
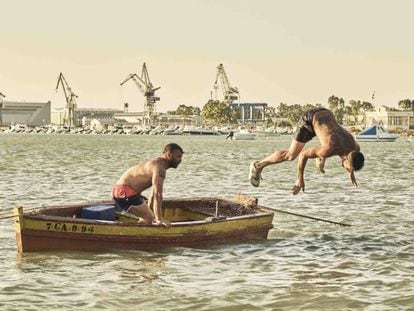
[65, 227]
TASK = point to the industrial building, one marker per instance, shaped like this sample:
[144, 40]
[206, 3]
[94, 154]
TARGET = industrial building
[28, 113]
[250, 112]
[83, 116]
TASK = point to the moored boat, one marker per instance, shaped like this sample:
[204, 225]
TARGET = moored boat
[194, 222]
[191, 130]
[175, 130]
[244, 136]
[376, 133]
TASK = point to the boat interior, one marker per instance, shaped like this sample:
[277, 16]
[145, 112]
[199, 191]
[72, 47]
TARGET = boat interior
[174, 210]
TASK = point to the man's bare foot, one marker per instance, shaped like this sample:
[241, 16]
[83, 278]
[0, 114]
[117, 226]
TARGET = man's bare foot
[255, 175]
[299, 184]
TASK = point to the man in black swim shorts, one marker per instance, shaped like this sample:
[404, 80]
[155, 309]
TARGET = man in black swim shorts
[333, 138]
[304, 131]
[125, 197]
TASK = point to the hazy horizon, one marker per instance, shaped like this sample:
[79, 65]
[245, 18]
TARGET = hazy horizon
[294, 52]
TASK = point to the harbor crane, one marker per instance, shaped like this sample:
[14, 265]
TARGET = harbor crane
[230, 93]
[70, 97]
[147, 89]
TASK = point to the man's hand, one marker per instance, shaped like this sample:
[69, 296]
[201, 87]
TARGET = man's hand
[299, 184]
[353, 180]
[162, 222]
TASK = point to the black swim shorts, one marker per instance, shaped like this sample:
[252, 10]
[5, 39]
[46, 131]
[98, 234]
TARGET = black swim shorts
[304, 131]
[123, 204]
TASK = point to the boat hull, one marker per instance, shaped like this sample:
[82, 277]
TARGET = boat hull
[366, 138]
[244, 137]
[39, 233]
[376, 133]
[35, 240]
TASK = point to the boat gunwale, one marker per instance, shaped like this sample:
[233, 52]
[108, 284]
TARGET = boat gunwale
[117, 223]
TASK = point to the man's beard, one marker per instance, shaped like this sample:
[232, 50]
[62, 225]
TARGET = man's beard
[173, 163]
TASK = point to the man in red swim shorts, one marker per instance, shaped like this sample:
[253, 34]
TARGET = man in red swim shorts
[126, 193]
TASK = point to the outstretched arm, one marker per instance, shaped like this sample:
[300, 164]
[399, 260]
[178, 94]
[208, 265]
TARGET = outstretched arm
[306, 154]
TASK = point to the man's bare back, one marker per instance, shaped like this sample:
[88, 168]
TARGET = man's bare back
[334, 139]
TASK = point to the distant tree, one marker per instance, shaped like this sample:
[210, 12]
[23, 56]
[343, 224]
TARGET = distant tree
[356, 107]
[270, 112]
[307, 107]
[282, 110]
[367, 106]
[268, 122]
[187, 110]
[216, 112]
[284, 123]
[183, 110]
[196, 111]
[337, 106]
[293, 112]
[406, 104]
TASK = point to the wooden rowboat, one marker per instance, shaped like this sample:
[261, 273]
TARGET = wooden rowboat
[194, 222]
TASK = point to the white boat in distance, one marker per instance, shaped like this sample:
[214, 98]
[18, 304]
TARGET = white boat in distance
[192, 130]
[174, 130]
[244, 134]
[376, 133]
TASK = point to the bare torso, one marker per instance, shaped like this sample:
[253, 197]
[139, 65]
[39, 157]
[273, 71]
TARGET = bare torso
[140, 176]
[334, 139]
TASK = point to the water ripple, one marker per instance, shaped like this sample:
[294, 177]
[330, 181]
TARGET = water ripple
[304, 265]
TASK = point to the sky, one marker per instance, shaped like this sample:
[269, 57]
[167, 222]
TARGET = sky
[295, 52]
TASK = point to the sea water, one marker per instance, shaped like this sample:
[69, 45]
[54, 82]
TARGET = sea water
[305, 264]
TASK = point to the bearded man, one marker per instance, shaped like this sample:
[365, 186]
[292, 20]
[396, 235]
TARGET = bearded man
[126, 193]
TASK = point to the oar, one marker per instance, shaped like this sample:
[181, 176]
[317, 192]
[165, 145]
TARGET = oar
[309, 217]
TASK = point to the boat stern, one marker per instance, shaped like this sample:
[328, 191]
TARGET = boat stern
[18, 221]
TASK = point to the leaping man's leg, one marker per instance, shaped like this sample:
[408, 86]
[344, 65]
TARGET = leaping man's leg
[255, 175]
[255, 169]
[320, 164]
